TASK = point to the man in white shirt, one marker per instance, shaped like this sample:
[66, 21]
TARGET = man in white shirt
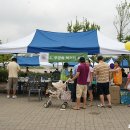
[13, 69]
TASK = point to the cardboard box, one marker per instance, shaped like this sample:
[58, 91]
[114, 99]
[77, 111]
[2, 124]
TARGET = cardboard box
[115, 94]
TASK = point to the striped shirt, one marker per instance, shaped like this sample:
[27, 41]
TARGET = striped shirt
[102, 72]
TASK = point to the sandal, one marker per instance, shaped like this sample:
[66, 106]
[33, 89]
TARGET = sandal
[90, 105]
[75, 108]
[102, 106]
[109, 106]
[83, 107]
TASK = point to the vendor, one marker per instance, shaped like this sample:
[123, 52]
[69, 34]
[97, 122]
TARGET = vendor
[117, 74]
[27, 71]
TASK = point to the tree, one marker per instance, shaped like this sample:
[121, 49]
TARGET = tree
[69, 28]
[122, 20]
[127, 38]
[5, 58]
[77, 26]
[82, 26]
[88, 26]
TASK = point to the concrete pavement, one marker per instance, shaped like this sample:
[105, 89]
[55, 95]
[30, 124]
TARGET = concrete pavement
[21, 114]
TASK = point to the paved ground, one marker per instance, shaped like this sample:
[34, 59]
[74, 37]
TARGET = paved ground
[21, 114]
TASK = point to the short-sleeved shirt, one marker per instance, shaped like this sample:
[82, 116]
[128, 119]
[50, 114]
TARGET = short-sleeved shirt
[75, 69]
[13, 69]
[90, 71]
[102, 72]
[64, 74]
[117, 76]
[84, 70]
[128, 87]
[128, 76]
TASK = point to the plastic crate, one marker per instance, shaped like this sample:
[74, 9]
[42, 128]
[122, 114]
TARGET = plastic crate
[125, 96]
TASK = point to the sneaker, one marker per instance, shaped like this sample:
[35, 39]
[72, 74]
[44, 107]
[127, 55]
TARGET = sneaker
[8, 96]
[14, 96]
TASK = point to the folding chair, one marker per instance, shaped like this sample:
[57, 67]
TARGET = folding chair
[34, 87]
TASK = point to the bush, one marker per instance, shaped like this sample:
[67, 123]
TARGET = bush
[3, 75]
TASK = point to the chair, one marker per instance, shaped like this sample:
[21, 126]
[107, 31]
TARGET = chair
[24, 85]
[34, 87]
[44, 84]
[20, 84]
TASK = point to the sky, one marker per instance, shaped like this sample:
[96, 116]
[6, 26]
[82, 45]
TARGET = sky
[19, 18]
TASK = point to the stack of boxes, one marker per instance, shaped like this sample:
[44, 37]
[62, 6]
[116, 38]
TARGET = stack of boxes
[115, 94]
[119, 96]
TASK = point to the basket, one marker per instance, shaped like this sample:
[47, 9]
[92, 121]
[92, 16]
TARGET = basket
[125, 96]
[66, 95]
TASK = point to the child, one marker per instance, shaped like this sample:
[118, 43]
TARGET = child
[127, 86]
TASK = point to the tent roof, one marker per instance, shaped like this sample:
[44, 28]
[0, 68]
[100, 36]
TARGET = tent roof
[91, 42]
[110, 61]
[45, 41]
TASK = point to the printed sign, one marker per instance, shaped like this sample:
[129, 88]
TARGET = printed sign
[66, 57]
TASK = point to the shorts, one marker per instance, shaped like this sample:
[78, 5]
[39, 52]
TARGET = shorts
[81, 90]
[89, 86]
[12, 82]
[103, 88]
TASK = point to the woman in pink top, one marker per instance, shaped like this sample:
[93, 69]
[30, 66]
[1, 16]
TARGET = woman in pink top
[127, 86]
[89, 83]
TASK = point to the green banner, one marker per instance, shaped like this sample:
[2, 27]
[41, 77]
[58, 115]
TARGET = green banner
[66, 57]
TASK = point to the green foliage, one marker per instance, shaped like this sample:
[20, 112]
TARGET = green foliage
[77, 27]
[3, 75]
[122, 57]
[82, 26]
[69, 28]
[5, 58]
[122, 20]
[23, 74]
[88, 26]
[127, 38]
